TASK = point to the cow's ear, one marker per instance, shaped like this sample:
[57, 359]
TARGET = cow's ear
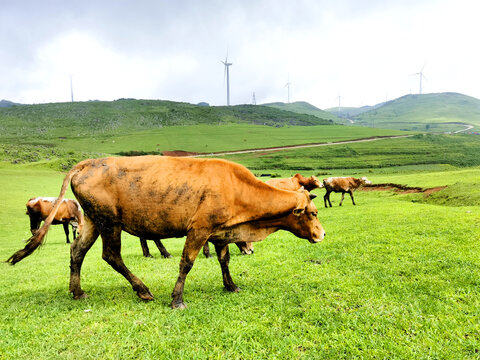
[312, 196]
[298, 211]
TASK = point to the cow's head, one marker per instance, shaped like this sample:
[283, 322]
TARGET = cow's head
[304, 222]
[365, 181]
[315, 182]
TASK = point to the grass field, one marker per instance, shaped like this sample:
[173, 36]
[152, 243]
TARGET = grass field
[394, 278]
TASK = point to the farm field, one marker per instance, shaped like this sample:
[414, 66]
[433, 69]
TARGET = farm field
[394, 278]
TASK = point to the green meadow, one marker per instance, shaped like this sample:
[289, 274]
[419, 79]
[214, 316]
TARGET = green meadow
[396, 277]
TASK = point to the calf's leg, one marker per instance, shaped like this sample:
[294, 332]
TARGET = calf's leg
[111, 237]
[162, 249]
[78, 250]
[145, 250]
[326, 198]
[206, 251]
[351, 195]
[34, 223]
[341, 201]
[65, 228]
[223, 256]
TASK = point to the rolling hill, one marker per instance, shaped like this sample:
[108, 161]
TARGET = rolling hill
[440, 112]
[128, 115]
[302, 107]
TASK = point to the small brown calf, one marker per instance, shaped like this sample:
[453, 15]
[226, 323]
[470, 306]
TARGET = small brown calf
[343, 185]
[69, 212]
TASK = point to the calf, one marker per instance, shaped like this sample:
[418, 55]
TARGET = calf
[343, 185]
[69, 212]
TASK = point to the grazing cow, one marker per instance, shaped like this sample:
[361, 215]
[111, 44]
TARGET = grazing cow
[69, 212]
[156, 197]
[296, 182]
[343, 185]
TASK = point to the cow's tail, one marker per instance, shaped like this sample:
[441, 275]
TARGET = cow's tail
[37, 239]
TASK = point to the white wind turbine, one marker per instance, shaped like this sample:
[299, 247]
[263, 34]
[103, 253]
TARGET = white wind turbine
[227, 74]
[287, 85]
[421, 77]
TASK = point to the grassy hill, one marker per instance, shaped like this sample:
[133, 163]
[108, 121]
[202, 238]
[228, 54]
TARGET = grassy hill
[428, 112]
[350, 112]
[127, 116]
[302, 107]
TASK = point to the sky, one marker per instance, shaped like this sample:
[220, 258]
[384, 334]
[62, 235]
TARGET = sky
[342, 52]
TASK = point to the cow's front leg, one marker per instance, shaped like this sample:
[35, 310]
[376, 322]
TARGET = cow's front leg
[223, 256]
[341, 201]
[163, 250]
[65, 228]
[195, 240]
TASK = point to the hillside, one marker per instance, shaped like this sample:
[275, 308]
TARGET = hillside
[302, 107]
[350, 112]
[127, 116]
[428, 112]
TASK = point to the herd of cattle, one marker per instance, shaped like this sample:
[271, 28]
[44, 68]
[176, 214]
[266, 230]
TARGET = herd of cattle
[207, 200]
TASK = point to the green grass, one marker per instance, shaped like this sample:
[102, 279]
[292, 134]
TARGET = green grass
[393, 279]
[418, 151]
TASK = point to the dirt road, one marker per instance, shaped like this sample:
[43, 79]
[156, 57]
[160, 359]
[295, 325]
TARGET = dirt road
[288, 147]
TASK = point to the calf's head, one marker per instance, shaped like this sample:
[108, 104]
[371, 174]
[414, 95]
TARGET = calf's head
[365, 181]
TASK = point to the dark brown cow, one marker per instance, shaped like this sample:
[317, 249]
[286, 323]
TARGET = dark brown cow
[296, 182]
[155, 197]
[69, 212]
[343, 185]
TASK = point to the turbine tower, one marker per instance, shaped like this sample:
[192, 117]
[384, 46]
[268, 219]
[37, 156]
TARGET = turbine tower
[71, 87]
[287, 85]
[421, 77]
[227, 74]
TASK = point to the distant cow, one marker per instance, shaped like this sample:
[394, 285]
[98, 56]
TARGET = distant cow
[156, 197]
[343, 185]
[296, 182]
[69, 212]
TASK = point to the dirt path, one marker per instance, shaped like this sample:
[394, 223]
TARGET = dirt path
[467, 127]
[288, 147]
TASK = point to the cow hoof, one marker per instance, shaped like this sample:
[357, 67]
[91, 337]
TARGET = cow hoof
[178, 305]
[148, 256]
[233, 289]
[81, 296]
[147, 296]
[168, 256]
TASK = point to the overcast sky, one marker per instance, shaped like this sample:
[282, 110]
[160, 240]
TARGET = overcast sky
[364, 51]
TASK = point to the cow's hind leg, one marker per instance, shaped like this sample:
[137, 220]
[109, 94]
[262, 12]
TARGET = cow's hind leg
[78, 250]
[67, 232]
[145, 250]
[206, 251]
[111, 254]
[195, 240]
[163, 250]
[223, 256]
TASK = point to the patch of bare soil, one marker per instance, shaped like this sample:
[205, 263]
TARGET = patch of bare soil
[402, 189]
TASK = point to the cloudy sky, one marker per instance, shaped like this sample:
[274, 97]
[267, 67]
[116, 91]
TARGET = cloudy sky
[364, 51]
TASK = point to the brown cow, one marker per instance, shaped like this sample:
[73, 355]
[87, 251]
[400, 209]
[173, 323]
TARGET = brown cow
[296, 182]
[343, 185]
[160, 197]
[69, 212]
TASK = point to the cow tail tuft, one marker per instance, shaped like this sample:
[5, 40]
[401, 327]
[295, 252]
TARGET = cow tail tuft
[37, 239]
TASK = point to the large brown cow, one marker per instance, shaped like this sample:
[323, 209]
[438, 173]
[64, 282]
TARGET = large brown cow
[343, 185]
[69, 212]
[296, 182]
[158, 197]
[246, 248]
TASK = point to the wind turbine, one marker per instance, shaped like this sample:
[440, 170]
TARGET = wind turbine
[421, 77]
[227, 74]
[71, 87]
[287, 85]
